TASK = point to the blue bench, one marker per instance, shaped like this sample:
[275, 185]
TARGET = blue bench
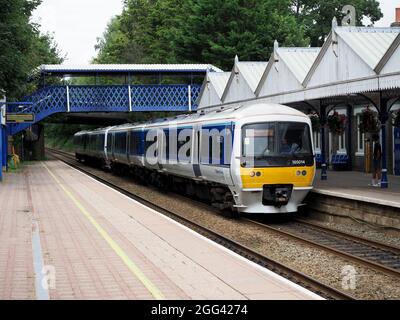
[340, 162]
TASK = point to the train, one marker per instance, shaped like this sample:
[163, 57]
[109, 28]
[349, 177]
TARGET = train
[256, 158]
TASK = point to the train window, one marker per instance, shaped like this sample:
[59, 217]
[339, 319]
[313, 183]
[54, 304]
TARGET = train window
[181, 142]
[166, 144]
[132, 143]
[219, 145]
[120, 142]
[135, 143]
[147, 143]
[294, 138]
[109, 139]
[276, 143]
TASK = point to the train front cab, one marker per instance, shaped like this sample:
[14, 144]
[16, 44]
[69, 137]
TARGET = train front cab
[276, 165]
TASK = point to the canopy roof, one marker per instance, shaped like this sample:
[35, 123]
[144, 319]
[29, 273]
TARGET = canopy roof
[126, 68]
[352, 60]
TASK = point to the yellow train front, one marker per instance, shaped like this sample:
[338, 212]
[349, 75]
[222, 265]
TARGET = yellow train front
[274, 166]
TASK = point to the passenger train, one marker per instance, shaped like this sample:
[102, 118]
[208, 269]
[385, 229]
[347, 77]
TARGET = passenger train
[249, 159]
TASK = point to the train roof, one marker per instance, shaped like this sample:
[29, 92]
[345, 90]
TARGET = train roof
[232, 113]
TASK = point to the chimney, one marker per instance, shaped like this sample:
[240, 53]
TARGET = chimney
[397, 21]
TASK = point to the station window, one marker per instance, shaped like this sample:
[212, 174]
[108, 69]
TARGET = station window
[342, 142]
[360, 136]
[317, 140]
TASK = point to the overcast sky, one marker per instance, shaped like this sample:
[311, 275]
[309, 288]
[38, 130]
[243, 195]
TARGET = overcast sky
[76, 24]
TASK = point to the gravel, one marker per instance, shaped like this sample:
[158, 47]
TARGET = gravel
[362, 229]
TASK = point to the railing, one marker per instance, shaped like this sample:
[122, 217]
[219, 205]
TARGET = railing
[56, 99]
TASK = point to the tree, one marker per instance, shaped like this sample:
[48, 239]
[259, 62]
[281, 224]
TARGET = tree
[198, 31]
[214, 31]
[23, 48]
[316, 15]
[115, 46]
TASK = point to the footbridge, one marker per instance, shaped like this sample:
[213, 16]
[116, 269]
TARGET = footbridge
[145, 88]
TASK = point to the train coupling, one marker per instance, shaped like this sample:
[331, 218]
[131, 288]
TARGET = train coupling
[276, 194]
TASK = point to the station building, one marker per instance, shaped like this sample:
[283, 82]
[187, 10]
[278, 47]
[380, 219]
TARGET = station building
[356, 68]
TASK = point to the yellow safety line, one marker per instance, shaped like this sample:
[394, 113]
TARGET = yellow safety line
[117, 249]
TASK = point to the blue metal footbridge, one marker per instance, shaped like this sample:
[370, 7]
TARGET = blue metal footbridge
[126, 98]
[132, 96]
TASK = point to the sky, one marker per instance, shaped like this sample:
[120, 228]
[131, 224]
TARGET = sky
[76, 24]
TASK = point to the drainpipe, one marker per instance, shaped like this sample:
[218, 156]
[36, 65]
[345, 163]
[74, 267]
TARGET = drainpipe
[349, 136]
[322, 117]
[383, 117]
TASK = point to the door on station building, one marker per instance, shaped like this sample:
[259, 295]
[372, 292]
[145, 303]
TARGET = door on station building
[396, 151]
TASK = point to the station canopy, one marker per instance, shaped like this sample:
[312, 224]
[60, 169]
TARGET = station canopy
[352, 60]
[65, 69]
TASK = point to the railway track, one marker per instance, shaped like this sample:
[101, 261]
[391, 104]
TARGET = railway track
[295, 276]
[376, 255]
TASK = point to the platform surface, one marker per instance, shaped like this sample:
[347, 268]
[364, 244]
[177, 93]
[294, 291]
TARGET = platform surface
[83, 240]
[355, 185]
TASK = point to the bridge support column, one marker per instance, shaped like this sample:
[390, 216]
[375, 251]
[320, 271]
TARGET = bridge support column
[34, 143]
[349, 140]
[190, 97]
[5, 145]
[3, 150]
[322, 117]
[383, 117]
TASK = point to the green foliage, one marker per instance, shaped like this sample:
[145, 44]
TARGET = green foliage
[336, 122]
[60, 136]
[316, 15]
[369, 121]
[315, 122]
[214, 31]
[396, 118]
[198, 31]
[23, 48]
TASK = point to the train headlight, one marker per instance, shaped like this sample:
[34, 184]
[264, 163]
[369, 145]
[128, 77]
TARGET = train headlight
[252, 174]
[298, 172]
[304, 173]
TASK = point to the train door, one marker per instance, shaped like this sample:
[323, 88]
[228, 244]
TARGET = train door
[107, 146]
[196, 150]
[113, 146]
[216, 143]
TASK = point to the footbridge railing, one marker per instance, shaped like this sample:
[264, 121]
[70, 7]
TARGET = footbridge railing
[105, 98]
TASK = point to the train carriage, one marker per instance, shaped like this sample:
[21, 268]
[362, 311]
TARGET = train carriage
[257, 158]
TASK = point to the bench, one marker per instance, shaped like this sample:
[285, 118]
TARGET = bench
[340, 162]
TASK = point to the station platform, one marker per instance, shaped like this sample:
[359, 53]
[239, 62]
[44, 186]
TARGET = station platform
[64, 235]
[347, 194]
[355, 185]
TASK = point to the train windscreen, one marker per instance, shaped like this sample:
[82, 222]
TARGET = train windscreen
[277, 144]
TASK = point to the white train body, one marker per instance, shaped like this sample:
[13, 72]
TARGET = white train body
[271, 176]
